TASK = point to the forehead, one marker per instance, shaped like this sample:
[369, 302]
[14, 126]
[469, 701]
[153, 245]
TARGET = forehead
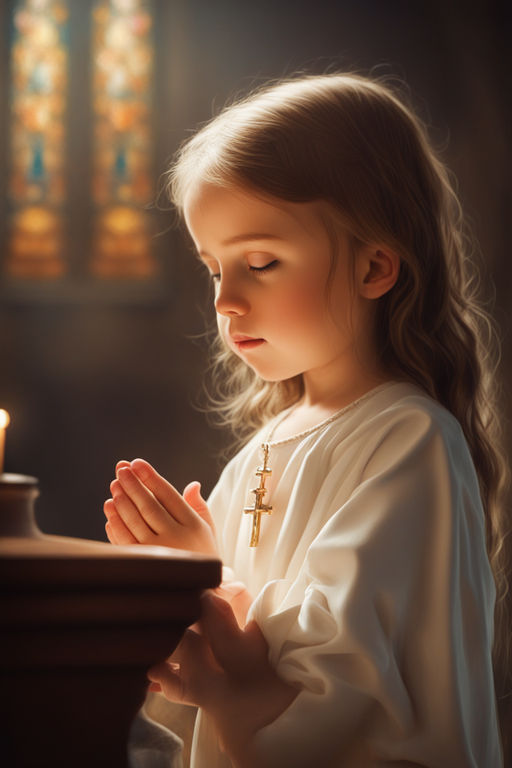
[221, 213]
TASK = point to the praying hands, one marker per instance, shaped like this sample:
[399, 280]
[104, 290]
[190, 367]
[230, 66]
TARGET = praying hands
[146, 509]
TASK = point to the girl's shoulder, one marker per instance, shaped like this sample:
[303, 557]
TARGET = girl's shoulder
[398, 424]
[392, 406]
[400, 402]
[402, 433]
[408, 406]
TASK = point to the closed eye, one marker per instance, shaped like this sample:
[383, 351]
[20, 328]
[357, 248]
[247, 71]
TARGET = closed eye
[265, 268]
[260, 270]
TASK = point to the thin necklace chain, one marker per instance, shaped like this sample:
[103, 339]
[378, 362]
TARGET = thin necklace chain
[259, 508]
[310, 430]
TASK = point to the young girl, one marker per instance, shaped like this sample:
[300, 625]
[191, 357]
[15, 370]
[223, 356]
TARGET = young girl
[358, 523]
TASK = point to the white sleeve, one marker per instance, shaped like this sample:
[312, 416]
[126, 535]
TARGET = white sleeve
[388, 628]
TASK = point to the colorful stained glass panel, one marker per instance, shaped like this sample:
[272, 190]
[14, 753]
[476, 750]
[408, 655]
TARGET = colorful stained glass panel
[122, 149]
[38, 107]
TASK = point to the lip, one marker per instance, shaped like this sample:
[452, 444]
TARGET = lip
[242, 342]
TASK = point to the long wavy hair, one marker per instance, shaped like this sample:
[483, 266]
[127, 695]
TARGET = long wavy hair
[355, 143]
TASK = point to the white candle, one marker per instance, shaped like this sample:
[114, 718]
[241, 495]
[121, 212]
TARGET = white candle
[4, 423]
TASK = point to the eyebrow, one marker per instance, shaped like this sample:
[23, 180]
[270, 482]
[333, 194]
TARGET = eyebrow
[246, 237]
[250, 236]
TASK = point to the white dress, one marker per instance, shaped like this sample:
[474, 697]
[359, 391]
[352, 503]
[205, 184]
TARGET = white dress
[372, 587]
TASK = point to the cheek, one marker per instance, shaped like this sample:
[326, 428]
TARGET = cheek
[303, 304]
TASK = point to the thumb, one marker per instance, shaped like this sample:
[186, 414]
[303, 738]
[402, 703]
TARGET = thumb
[192, 495]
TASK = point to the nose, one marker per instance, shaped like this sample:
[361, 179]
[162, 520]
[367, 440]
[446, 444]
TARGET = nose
[230, 299]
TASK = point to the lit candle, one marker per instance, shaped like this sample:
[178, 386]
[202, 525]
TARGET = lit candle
[4, 423]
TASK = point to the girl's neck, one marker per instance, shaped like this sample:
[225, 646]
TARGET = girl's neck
[321, 392]
[311, 410]
[353, 371]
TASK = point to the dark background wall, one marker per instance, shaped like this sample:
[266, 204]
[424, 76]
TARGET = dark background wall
[88, 379]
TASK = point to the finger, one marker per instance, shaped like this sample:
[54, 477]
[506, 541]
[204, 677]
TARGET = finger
[130, 514]
[196, 676]
[118, 530]
[170, 499]
[191, 648]
[161, 670]
[169, 681]
[239, 598]
[200, 672]
[110, 535]
[109, 508]
[192, 495]
[122, 463]
[152, 512]
[222, 632]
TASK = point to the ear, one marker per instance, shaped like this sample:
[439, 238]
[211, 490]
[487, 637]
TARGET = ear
[377, 271]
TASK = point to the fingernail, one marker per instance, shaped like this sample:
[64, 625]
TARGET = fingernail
[125, 474]
[139, 466]
[121, 465]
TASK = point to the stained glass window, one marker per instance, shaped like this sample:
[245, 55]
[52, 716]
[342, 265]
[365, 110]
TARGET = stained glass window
[122, 174]
[38, 104]
[116, 132]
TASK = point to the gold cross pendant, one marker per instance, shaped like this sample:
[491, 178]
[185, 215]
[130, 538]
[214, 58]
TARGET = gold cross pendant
[259, 507]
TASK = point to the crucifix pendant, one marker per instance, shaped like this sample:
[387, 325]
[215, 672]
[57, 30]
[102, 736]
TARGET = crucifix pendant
[259, 507]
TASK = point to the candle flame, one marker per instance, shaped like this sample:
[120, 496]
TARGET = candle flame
[5, 419]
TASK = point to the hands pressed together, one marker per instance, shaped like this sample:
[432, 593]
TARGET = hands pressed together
[146, 509]
[221, 664]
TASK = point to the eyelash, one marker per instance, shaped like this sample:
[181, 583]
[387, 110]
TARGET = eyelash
[260, 270]
[266, 268]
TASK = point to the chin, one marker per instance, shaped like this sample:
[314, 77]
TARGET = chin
[273, 375]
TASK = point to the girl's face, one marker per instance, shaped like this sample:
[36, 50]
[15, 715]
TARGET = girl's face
[270, 261]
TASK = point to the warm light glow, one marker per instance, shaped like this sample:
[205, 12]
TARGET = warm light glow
[5, 419]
